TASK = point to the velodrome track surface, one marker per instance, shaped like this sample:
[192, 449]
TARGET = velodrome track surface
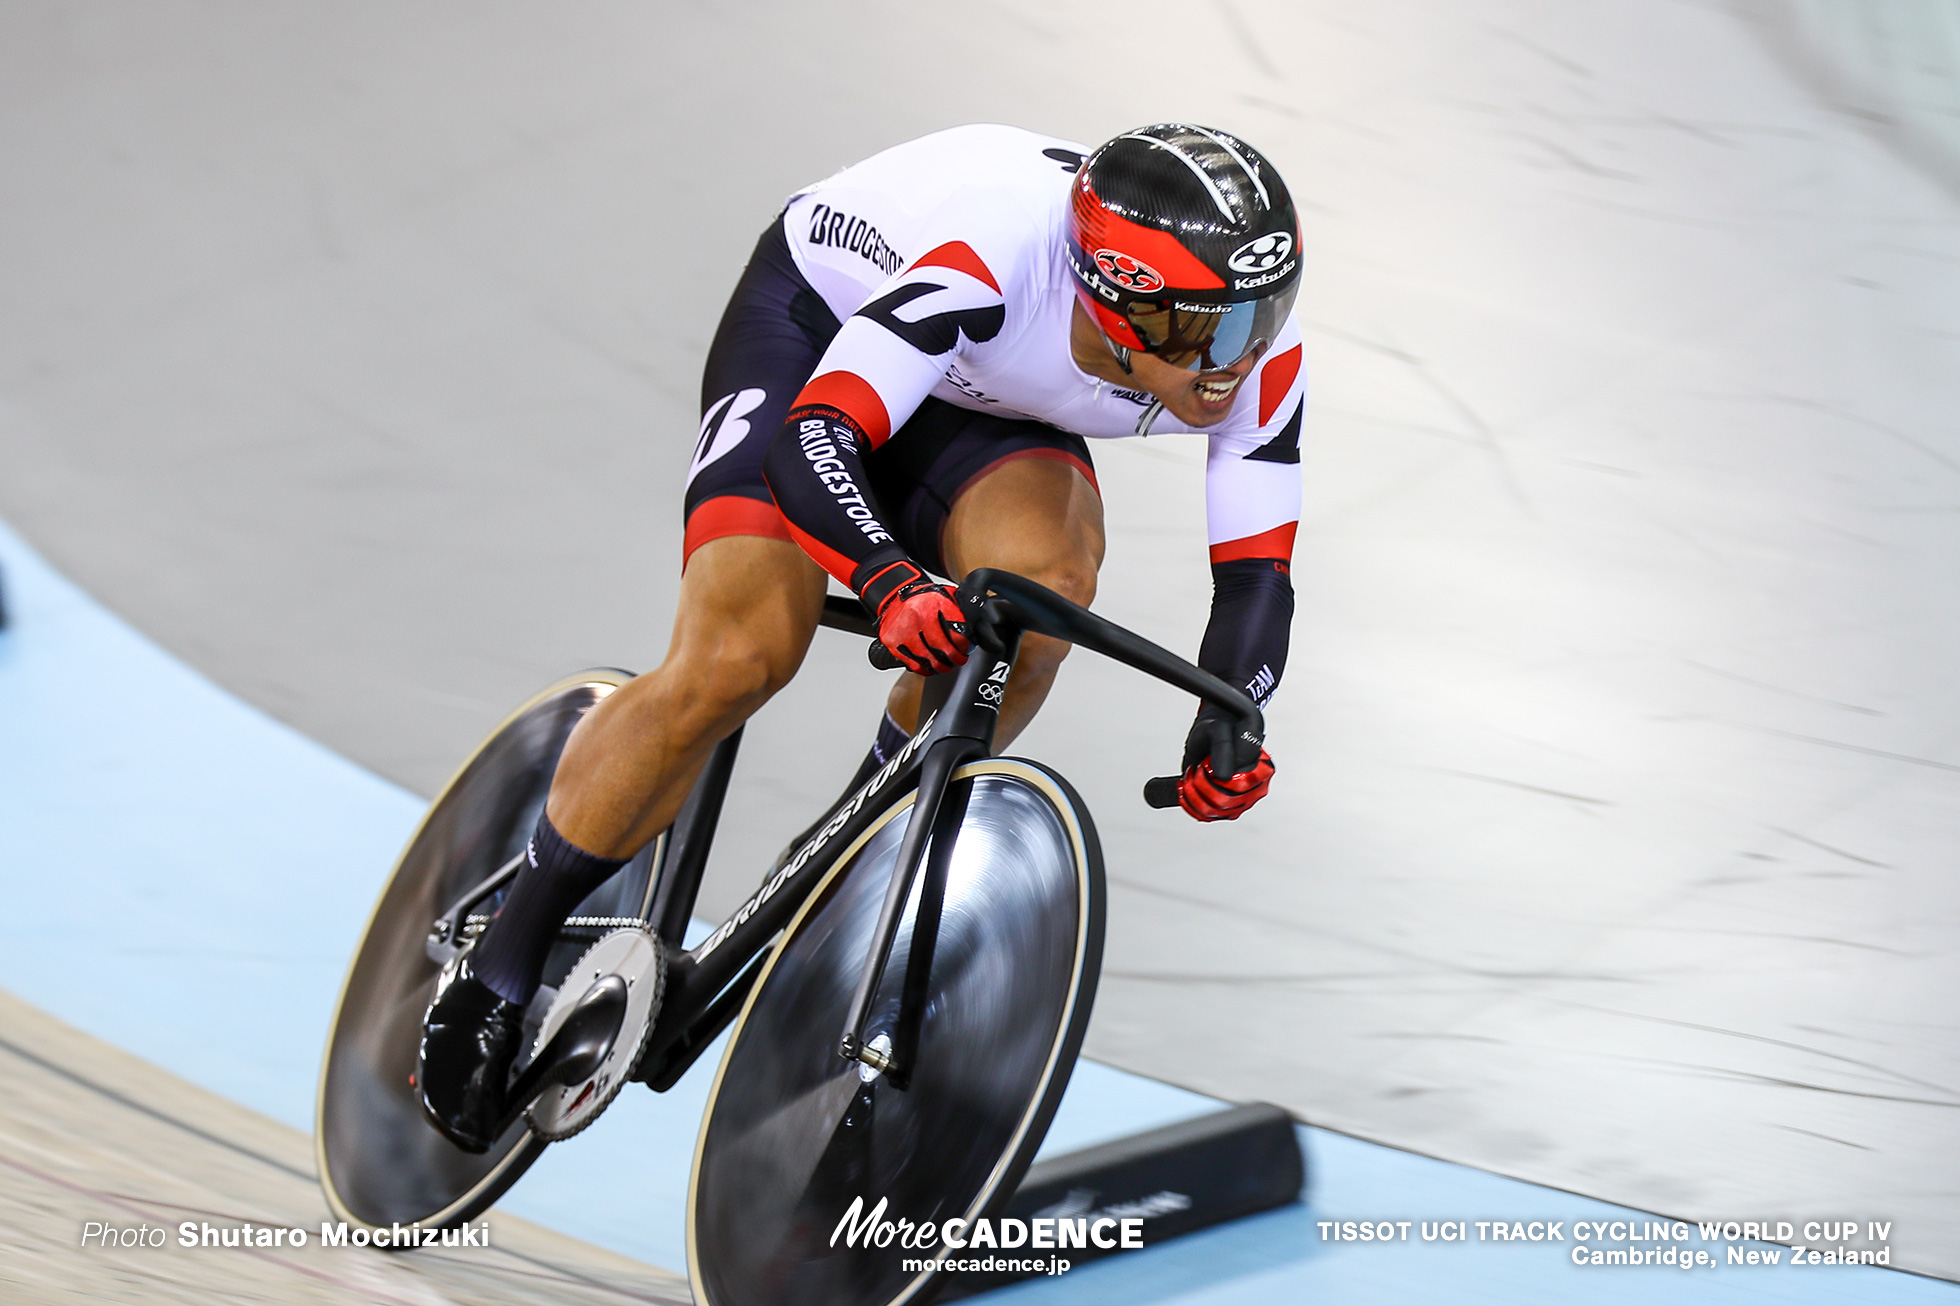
[353, 357]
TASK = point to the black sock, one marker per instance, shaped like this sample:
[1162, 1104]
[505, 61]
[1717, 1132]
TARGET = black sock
[556, 877]
[891, 738]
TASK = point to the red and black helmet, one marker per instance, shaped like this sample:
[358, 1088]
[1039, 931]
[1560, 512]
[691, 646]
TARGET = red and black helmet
[1184, 244]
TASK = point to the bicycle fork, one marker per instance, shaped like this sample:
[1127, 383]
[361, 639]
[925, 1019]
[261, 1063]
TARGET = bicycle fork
[973, 712]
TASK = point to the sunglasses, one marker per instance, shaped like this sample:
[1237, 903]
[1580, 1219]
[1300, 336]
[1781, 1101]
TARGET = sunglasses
[1207, 337]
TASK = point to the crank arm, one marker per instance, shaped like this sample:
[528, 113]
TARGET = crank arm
[580, 1047]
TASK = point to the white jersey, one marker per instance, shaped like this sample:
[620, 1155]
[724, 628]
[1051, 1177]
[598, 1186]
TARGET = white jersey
[943, 257]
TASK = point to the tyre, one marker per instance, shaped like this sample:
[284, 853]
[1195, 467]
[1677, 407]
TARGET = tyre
[380, 1161]
[794, 1135]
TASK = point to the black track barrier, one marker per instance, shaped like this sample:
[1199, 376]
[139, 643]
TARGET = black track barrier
[1177, 1179]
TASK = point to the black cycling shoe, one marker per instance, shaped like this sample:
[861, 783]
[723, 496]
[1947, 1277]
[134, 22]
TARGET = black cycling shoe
[470, 1039]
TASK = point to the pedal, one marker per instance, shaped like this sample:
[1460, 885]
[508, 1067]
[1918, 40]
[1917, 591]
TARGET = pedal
[593, 1035]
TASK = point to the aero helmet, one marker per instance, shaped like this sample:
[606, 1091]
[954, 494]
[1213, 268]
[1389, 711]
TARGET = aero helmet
[1184, 245]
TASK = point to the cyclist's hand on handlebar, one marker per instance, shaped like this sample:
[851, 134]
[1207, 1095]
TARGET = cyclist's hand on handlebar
[1208, 798]
[1207, 790]
[922, 626]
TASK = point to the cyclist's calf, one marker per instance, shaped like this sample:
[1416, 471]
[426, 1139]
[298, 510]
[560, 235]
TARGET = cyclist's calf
[748, 609]
[628, 765]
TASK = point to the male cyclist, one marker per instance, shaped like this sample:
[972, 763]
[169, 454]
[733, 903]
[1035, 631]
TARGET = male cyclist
[900, 388]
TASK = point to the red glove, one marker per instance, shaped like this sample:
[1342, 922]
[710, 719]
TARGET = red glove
[1207, 798]
[923, 627]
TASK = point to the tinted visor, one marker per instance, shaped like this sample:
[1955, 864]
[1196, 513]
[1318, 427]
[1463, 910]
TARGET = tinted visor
[1208, 337]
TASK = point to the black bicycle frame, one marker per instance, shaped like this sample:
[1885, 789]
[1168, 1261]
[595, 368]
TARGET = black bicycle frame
[706, 985]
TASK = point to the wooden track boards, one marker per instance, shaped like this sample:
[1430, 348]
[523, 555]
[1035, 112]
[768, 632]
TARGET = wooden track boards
[91, 1133]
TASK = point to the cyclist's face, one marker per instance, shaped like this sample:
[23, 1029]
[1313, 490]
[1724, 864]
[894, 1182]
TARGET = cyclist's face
[1194, 398]
[1197, 399]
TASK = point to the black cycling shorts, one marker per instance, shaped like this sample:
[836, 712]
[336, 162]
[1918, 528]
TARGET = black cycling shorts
[771, 337]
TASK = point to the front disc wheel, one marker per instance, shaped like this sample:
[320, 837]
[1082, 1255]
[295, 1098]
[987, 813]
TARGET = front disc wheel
[799, 1146]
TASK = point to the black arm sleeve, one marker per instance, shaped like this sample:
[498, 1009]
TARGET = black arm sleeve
[1245, 642]
[815, 470]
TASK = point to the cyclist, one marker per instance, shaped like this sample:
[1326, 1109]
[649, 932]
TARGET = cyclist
[901, 387]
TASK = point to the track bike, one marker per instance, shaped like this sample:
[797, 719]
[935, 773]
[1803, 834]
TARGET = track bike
[908, 989]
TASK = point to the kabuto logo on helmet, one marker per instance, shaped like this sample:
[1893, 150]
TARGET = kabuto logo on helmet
[1131, 273]
[1261, 252]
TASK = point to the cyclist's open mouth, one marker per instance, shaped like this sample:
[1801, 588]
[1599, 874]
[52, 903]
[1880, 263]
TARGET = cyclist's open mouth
[1216, 391]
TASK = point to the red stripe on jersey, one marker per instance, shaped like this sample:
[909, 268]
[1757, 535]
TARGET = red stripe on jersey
[959, 256]
[1276, 381]
[851, 395]
[1101, 229]
[1275, 543]
[731, 514]
[828, 558]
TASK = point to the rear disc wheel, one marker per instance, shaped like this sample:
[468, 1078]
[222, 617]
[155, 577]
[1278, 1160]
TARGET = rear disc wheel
[380, 1161]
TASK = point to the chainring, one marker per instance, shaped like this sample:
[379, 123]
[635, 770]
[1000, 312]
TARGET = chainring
[635, 955]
